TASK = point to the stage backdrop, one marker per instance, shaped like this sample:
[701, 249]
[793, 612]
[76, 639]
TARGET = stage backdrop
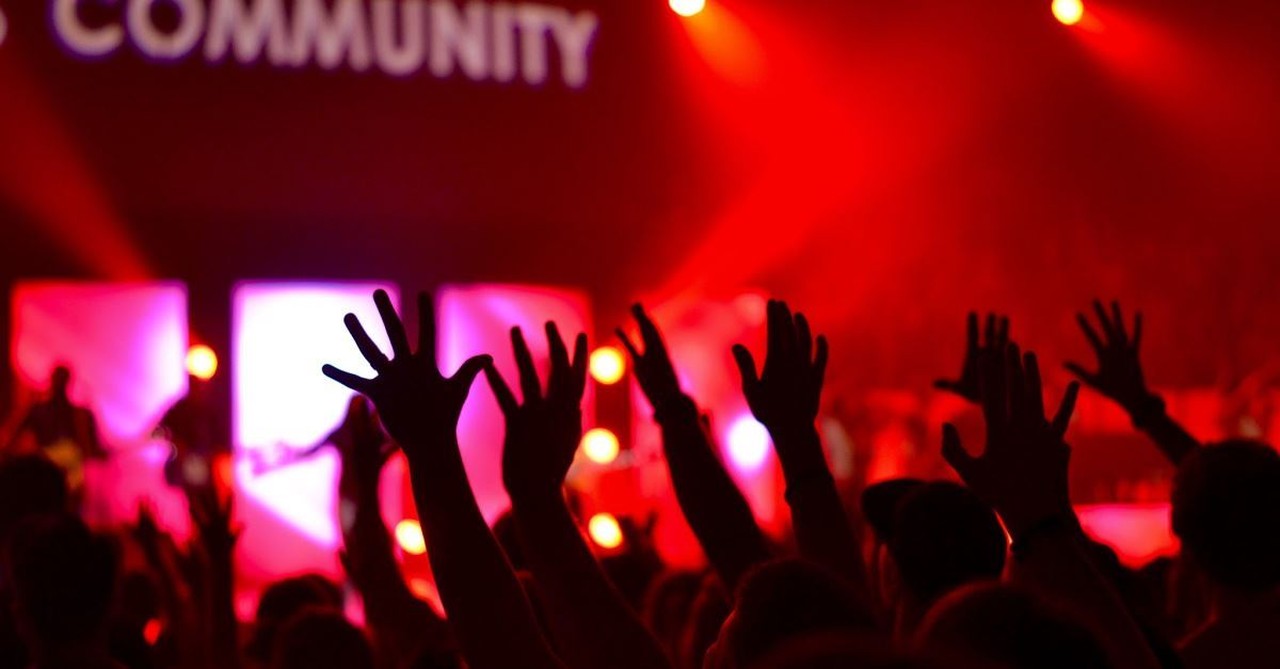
[884, 165]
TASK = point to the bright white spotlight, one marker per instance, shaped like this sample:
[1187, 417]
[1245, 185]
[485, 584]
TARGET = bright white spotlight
[748, 443]
[1068, 12]
[202, 362]
[409, 536]
[605, 530]
[600, 446]
[607, 365]
[687, 7]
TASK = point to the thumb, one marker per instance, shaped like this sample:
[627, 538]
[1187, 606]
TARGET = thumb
[953, 451]
[746, 367]
[467, 373]
[1081, 373]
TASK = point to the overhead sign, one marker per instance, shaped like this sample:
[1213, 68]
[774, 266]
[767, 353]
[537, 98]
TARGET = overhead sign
[502, 42]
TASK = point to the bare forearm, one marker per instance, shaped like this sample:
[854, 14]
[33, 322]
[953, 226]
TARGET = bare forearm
[399, 620]
[591, 621]
[487, 609]
[822, 527]
[712, 504]
[225, 644]
[1173, 440]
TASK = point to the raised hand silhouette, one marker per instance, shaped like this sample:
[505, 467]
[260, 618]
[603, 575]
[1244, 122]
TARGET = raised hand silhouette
[784, 395]
[211, 515]
[653, 367]
[589, 619]
[710, 500]
[1119, 374]
[1120, 377]
[418, 404]
[1022, 472]
[542, 432]
[995, 336]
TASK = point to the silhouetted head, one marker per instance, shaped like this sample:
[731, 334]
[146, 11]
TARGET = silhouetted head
[60, 381]
[668, 603]
[783, 600]
[1226, 511]
[880, 504]
[995, 623]
[943, 537]
[29, 485]
[284, 599]
[63, 579]
[320, 639]
[706, 616]
[840, 651]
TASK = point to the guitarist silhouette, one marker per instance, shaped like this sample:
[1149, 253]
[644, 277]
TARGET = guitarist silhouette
[64, 432]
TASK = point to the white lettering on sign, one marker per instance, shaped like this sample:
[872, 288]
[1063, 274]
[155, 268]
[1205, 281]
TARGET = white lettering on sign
[478, 40]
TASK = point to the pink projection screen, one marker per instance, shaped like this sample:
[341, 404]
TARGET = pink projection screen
[478, 319]
[282, 334]
[126, 346]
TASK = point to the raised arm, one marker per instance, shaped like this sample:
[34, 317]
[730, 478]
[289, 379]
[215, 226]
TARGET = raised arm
[1120, 378]
[712, 504]
[590, 620]
[211, 516]
[784, 397]
[402, 625]
[487, 608]
[1022, 473]
[182, 622]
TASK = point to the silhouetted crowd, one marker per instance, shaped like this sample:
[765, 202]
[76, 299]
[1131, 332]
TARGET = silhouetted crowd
[993, 571]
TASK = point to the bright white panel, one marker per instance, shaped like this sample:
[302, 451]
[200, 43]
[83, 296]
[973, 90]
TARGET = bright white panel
[283, 334]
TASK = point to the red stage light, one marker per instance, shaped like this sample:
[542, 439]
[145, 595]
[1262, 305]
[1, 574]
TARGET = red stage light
[1068, 12]
[152, 630]
[687, 7]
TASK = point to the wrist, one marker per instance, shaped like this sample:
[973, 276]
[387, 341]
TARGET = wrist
[1146, 409]
[801, 482]
[799, 450]
[677, 407]
[536, 494]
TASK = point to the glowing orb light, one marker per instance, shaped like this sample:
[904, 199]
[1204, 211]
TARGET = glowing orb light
[607, 365]
[748, 443]
[688, 7]
[1068, 12]
[202, 362]
[409, 536]
[600, 446]
[605, 531]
